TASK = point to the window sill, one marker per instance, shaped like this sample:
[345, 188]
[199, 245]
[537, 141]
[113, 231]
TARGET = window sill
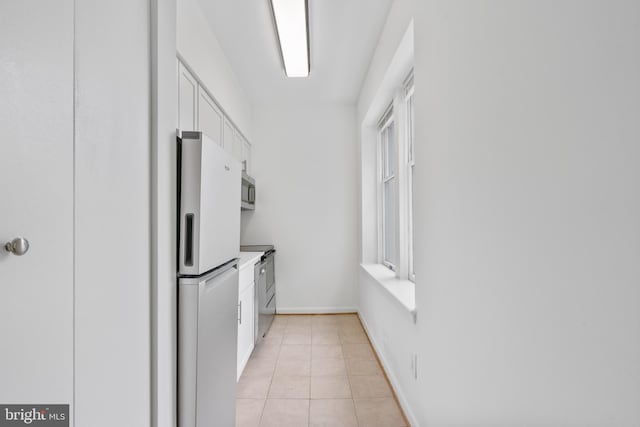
[403, 291]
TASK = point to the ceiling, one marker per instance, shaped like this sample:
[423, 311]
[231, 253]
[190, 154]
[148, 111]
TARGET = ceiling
[343, 36]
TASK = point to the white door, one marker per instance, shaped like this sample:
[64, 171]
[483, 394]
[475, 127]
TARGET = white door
[36, 201]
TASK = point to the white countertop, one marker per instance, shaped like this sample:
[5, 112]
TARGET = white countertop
[249, 259]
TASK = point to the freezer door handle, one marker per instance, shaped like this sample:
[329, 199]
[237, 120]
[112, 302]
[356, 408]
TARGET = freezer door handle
[240, 312]
[188, 239]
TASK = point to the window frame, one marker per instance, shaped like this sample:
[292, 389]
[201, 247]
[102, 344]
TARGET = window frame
[387, 125]
[410, 165]
[397, 123]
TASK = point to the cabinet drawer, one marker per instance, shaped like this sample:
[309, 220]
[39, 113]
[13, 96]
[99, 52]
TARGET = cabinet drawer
[246, 278]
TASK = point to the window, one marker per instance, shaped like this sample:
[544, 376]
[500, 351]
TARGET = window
[396, 165]
[389, 192]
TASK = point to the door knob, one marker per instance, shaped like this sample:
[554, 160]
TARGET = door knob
[18, 246]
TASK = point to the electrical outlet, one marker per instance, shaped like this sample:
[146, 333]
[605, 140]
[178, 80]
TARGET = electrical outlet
[414, 366]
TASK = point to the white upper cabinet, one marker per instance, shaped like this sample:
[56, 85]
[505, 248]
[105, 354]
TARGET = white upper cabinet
[237, 145]
[178, 65]
[246, 155]
[187, 99]
[197, 110]
[210, 118]
[229, 135]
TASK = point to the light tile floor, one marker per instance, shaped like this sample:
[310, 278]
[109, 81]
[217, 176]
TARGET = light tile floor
[315, 371]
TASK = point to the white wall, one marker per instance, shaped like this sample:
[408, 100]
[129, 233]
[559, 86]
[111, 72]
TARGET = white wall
[389, 324]
[306, 203]
[112, 260]
[395, 27]
[200, 49]
[528, 200]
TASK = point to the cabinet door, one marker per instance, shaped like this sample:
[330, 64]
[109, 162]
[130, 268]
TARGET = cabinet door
[246, 155]
[229, 136]
[187, 99]
[237, 145]
[245, 327]
[178, 64]
[210, 118]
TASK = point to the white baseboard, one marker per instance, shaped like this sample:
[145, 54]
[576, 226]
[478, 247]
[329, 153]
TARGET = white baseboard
[392, 378]
[315, 310]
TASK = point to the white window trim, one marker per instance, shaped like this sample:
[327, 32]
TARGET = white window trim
[397, 113]
[410, 165]
[387, 119]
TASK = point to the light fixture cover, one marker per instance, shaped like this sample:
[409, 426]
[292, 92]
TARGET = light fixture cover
[292, 18]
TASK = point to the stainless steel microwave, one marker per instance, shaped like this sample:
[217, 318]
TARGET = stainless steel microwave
[248, 192]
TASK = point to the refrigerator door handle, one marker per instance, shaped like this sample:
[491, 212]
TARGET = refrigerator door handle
[207, 278]
[220, 275]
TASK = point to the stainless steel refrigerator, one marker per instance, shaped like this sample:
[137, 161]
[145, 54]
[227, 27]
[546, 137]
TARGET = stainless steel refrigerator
[209, 192]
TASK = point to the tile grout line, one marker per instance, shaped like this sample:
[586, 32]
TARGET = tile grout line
[269, 388]
[264, 404]
[353, 401]
[310, 367]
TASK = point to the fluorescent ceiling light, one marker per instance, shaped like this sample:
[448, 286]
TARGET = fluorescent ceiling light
[292, 19]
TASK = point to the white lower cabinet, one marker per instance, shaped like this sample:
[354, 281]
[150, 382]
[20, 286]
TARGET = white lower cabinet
[245, 325]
